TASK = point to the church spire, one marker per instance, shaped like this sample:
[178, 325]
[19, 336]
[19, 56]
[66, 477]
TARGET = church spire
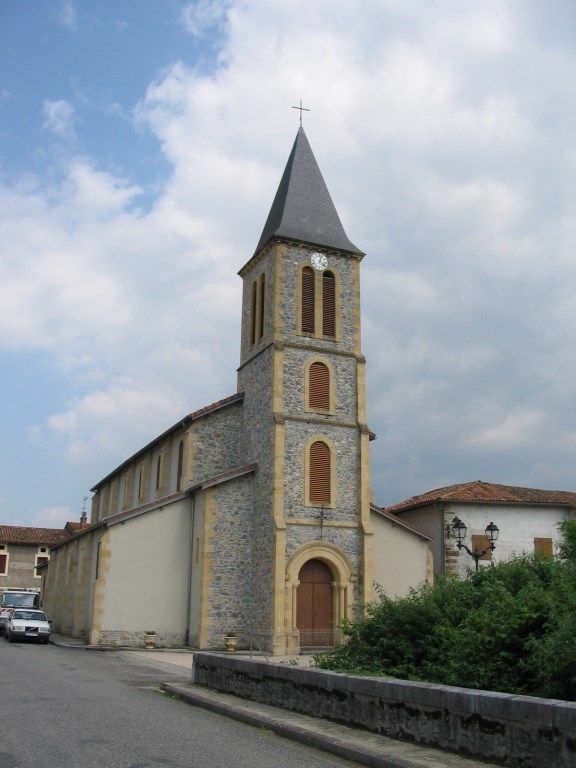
[303, 210]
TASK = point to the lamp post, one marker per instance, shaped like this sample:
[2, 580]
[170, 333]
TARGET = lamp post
[459, 530]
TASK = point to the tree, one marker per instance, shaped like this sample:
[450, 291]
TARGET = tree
[510, 627]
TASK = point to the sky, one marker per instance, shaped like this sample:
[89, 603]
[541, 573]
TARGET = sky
[141, 145]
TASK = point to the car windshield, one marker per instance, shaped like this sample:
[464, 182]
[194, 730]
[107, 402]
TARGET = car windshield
[29, 615]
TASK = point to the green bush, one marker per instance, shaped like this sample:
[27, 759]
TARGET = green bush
[509, 628]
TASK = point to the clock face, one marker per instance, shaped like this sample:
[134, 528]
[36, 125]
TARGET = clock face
[319, 261]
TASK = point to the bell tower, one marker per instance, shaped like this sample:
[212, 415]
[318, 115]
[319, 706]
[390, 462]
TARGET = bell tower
[303, 376]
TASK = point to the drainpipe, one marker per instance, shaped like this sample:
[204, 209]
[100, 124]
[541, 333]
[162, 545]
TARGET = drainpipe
[190, 565]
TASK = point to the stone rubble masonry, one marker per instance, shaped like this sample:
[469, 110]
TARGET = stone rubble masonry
[279, 427]
[515, 731]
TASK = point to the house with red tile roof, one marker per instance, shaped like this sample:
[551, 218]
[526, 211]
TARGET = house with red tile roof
[527, 520]
[23, 549]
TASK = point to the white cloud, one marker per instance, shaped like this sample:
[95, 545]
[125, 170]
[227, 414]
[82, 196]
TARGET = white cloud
[513, 430]
[203, 16]
[68, 16]
[102, 420]
[446, 166]
[59, 118]
[54, 517]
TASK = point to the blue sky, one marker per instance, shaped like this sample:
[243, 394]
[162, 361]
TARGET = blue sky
[141, 144]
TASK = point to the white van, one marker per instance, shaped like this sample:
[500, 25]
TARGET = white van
[17, 598]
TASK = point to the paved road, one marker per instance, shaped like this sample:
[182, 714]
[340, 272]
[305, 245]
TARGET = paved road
[71, 708]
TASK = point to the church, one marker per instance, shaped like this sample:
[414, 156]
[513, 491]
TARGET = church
[253, 516]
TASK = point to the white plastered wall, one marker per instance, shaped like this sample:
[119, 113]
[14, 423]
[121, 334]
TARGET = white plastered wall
[402, 559]
[146, 574]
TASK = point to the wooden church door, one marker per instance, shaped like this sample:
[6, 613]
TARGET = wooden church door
[315, 604]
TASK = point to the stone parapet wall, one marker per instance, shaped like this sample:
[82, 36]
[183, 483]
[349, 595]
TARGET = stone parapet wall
[518, 731]
[137, 639]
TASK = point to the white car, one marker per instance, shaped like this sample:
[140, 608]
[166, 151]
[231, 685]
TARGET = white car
[23, 623]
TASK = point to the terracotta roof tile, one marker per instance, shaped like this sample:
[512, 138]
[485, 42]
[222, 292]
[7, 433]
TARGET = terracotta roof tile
[39, 537]
[481, 492]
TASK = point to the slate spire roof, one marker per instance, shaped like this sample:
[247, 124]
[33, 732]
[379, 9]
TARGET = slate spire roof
[303, 210]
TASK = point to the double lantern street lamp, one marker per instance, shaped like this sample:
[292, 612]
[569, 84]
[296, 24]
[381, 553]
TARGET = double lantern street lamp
[459, 530]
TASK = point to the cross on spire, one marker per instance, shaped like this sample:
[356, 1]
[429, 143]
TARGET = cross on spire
[302, 109]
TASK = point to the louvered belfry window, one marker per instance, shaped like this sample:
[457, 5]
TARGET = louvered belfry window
[320, 470]
[308, 314]
[328, 304]
[319, 387]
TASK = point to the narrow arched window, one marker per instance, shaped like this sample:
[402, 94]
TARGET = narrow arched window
[253, 313]
[319, 473]
[318, 387]
[158, 471]
[141, 482]
[328, 304]
[127, 490]
[308, 303]
[262, 306]
[180, 468]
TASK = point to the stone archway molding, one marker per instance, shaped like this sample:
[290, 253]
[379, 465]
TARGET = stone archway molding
[343, 584]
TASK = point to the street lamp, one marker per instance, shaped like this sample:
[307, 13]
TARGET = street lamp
[459, 529]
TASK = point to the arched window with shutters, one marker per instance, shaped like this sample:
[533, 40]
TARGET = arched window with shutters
[308, 301]
[319, 474]
[318, 387]
[328, 304]
[318, 303]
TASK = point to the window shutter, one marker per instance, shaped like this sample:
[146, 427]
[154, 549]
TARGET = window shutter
[543, 546]
[3, 564]
[307, 300]
[481, 542]
[319, 387]
[319, 473]
[328, 304]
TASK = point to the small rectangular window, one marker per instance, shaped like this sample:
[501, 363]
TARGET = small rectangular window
[39, 560]
[543, 547]
[480, 542]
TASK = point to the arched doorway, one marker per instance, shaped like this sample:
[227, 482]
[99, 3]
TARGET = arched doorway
[315, 604]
